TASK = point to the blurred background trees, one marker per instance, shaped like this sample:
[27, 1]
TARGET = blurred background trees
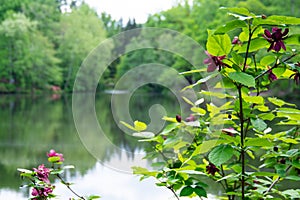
[44, 42]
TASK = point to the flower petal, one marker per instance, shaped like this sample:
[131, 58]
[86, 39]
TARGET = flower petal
[211, 67]
[268, 34]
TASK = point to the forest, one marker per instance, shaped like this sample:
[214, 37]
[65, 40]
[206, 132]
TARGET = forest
[44, 42]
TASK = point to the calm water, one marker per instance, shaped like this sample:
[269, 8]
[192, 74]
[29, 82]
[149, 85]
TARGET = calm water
[30, 126]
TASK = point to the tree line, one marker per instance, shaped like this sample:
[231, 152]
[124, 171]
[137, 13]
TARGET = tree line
[44, 42]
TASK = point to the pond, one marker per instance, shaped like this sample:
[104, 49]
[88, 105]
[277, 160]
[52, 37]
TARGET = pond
[30, 126]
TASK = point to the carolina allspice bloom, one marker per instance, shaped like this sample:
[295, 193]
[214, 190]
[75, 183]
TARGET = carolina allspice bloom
[213, 62]
[276, 38]
[42, 173]
[53, 153]
[41, 192]
[211, 169]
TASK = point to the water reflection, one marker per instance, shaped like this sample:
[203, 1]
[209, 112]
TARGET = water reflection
[30, 126]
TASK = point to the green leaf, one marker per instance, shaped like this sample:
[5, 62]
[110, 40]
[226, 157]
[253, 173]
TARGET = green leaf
[264, 174]
[279, 102]
[54, 159]
[239, 11]
[293, 177]
[266, 116]
[144, 134]
[216, 94]
[242, 78]
[293, 39]
[218, 45]
[186, 191]
[202, 80]
[198, 110]
[255, 45]
[57, 171]
[278, 71]
[254, 99]
[205, 147]
[267, 60]
[229, 26]
[93, 197]
[143, 171]
[200, 191]
[278, 20]
[259, 142]
[140, 126]
[258, 124]
[169, 128]
[220, 154]
[188, 101]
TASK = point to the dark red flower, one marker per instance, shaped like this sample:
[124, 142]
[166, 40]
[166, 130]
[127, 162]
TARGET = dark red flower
[211, 169]
[272, 76]
[276, 38]
[213, 62]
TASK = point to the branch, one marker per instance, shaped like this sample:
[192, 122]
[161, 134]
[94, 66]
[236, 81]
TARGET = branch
[275, 65]
[69, 187]
[272, 185]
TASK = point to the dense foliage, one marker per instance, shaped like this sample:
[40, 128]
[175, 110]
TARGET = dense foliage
[235, 122]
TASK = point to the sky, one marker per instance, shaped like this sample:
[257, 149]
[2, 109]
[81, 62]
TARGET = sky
[138, 9]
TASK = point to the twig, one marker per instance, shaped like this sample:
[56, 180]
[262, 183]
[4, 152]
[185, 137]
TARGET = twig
[170, 188]
[70, 187]
[272, 185]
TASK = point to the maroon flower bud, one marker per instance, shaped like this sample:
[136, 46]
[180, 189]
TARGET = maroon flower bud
[178, 118]
[236, 40]
[282, 161]
[264, 16]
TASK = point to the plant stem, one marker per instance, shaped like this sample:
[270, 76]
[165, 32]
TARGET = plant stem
[241, 115]
[170, 188]
[69, 187]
